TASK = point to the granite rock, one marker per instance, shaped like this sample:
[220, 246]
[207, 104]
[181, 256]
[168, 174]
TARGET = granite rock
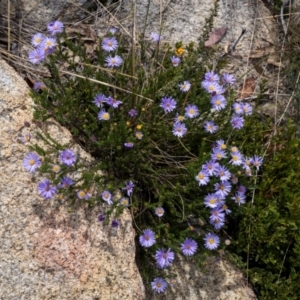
[47, 249]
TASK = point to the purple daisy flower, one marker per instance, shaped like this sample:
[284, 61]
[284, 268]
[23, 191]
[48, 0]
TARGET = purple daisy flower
[154, 37]
[179, 118]
[159, 285]
[113, 30]
[175, 61]
[218, 102]
[128, 188]
[115, 61]
[246, 162]
[247, 108]
[239, 198]
[37, 55]
[83, 194]
[26, 138]
[236, 158]
[129, 145]
[242, 189]
[185, 86]
[106, 196]
[55, 27]
[211, 200]
[223, 173]
[67, 157]
[189, 247]
[256, 161]
[31, 162]
[101, 217]
[38, 85]
[179, 129]
[191, 111]
[109, 44]
[223, 207]
[115, 223]
[234, 149]
[210, 126]
[103, 115]
[99, 100]
[228, 79]
[164, 258]
[220, 144]
[65, 182]
[210, 167]
[133, 112]
[218, 154]
[222, 189]
[37, 39]
[237, 122]
[159, 211]
[212, 87]
[234, 179]
[147, 239]
[168, 104]
[202, 178]
[48, 44]
[217, 223]
[113, 102]
[216, 214]
[212, 241]
[45, 189]
[211, 76]
[238, 108]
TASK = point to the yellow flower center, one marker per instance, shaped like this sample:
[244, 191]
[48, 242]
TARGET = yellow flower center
[211, 240]
[179, 51]
[81, 194]
[200, 176]
[124, 201]
[105, 116]
[56, 168]
[31, 162]
[192, 111]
